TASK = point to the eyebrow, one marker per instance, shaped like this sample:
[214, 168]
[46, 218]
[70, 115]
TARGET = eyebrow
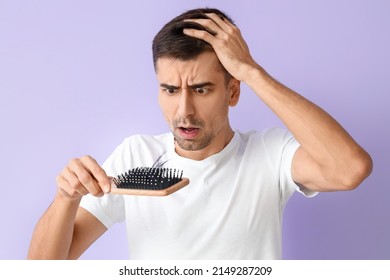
[168, 86]
[199, 85]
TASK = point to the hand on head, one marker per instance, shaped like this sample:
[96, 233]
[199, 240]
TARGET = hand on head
[227, 42]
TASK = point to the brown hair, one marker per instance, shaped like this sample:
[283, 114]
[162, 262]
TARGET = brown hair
[171, 42]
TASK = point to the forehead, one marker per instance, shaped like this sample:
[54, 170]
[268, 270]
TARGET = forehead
[205, 66]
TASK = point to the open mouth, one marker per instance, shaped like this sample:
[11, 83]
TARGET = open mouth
[188, 132]
[188, 129]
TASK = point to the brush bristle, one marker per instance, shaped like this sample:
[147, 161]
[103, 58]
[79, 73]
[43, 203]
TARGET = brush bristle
[148, 178]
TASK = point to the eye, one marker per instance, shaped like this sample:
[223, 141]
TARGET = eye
[201, 90]
[170, 91]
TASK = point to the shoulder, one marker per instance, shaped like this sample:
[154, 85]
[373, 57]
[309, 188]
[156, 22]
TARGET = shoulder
[273, 144]
[270, 137]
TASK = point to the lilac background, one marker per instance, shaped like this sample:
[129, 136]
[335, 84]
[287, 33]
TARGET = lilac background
[76, 77]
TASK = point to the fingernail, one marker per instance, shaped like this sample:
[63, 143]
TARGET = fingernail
[106, 188]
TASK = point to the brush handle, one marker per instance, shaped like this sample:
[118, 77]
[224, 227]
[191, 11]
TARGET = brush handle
[184, 182]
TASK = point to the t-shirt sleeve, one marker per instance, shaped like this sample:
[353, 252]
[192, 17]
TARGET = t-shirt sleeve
[109, 208]
[287, 184]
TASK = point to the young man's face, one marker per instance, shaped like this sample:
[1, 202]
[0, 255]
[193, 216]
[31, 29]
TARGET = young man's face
[195, 97]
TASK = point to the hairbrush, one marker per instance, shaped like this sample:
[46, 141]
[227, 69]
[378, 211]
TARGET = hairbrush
[154, 181]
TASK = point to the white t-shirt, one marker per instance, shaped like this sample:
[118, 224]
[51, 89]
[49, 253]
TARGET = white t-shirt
[232, 208]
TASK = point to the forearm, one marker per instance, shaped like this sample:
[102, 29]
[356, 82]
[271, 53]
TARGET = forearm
[53, 234]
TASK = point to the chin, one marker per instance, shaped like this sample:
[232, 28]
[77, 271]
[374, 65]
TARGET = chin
[192, 145]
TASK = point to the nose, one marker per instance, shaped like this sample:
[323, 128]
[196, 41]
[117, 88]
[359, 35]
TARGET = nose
[186, 106]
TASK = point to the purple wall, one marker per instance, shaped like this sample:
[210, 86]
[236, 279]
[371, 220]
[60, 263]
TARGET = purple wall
[76, 77]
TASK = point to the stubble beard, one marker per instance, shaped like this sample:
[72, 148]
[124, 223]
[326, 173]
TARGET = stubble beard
[193, 144]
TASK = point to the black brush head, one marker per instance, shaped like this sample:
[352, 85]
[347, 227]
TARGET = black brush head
[148, 178]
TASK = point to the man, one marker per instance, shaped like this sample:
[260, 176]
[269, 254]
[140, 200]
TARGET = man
[239, 182]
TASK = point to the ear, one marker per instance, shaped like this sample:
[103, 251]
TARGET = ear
[234, 91]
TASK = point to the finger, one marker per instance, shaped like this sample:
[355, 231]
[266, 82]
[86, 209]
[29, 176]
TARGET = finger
[64, 187]
[200, 34]
[85, 182]
[97, 173]
[228, 27]
[207, 23]
[220, 20]
[214, 22]
[217, 27]
[69, 185]
[79, 187]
